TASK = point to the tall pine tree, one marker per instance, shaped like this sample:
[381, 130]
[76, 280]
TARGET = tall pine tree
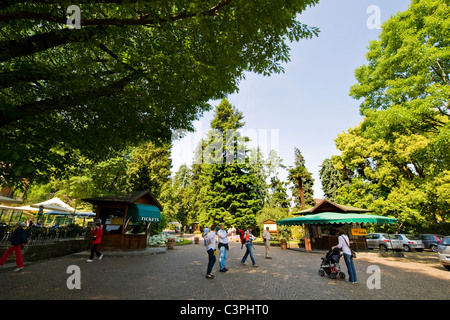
[230, 184]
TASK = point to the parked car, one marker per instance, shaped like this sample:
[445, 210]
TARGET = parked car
[443, 250]
[410, 242]
[430, 241]
[383, 241]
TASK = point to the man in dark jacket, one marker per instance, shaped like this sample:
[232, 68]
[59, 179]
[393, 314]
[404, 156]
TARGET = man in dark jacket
[18, 240]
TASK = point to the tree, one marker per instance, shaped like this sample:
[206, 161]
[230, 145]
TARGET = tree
[398, 161]
[134, 71]
[331, 179]
[231, 187]
[302, 180]
[149, 168]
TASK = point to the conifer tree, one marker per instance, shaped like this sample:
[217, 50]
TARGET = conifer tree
[230, 185]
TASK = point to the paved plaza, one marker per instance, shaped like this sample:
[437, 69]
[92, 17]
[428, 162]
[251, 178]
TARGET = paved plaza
[179, 274]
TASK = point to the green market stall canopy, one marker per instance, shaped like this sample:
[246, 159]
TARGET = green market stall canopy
[328, 212]
[334, 217]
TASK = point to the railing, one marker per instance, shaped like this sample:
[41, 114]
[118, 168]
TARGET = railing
[41, 235]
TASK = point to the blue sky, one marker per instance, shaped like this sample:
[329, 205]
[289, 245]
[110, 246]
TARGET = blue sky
[308, 105]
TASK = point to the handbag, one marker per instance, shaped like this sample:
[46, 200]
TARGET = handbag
[353, 252]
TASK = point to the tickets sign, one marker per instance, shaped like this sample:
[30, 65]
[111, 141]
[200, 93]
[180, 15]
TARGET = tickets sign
[359, 232]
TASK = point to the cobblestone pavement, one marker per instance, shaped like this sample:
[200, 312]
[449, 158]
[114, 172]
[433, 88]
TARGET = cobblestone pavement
[180, 274]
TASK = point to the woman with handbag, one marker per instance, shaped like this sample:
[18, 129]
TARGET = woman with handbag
[344, 244]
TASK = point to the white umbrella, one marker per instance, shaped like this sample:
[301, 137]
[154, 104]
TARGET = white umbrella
[54, 204]
[9, 200]
[175, 223]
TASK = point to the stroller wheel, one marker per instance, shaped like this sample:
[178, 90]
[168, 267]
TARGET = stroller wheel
[333, 275]
[341, 275]
[321, 272]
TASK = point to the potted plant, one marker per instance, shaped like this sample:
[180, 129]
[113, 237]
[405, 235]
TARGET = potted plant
[170, 243]
[283, 244]
[196, 240]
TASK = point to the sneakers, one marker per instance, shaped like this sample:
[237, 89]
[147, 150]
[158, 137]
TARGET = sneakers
[99, 258]
[17, 269]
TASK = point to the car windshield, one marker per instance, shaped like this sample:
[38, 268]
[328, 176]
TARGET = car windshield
[446, 242]
[412, 237]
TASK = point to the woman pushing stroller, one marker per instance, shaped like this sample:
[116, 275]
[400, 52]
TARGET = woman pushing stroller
[344, 245]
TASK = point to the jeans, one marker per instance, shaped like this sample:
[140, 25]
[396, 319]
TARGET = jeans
[350, 267]
[249, 247]
[223, 252]
[212, 260]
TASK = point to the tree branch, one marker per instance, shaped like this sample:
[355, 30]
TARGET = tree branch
[60, 103]
[18, 48]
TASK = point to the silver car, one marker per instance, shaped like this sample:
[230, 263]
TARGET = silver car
[443, 250]
[411, 242]
[383, 241]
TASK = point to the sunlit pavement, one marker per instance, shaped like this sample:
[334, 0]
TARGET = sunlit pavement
[179, 274]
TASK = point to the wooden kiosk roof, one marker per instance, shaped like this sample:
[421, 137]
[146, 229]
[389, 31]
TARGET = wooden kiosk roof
[329, 206]
[125, 198]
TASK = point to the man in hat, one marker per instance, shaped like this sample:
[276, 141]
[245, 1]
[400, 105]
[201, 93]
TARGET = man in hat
[18, 240]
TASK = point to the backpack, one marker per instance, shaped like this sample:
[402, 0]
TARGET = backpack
[241, 234]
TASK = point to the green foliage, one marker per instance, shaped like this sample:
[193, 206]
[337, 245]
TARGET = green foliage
[302, 182]
[135, 71]
[331, 179]
[229, 188]
[397, 161]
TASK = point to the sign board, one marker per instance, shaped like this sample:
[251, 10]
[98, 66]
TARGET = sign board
[359, 232]
[273, 227]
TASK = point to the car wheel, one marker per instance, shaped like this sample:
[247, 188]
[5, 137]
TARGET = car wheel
[383, 247]
[434, 248]
[406, 248]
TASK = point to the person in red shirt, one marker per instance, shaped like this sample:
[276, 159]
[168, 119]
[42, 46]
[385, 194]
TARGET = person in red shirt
[96, 240]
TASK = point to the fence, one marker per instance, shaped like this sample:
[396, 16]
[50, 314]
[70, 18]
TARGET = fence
[41, 235]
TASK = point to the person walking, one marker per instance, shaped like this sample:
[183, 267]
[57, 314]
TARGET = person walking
[205, 234]
[249, 246]
[18, 239]
[96, 240]
[223, 247]
[211, 250]
[266, 237]
[344, 244]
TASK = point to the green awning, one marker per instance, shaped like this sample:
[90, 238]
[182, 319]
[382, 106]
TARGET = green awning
[334, 217]
[143, 212]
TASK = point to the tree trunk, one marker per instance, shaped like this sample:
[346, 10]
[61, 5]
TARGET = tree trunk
[302, 196]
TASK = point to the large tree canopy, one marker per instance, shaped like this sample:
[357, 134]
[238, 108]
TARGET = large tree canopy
[397, 162]
[135, 70]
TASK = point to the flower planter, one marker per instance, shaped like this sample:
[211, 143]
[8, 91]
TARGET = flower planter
[283, 245]
[196, 240]
[170, 243]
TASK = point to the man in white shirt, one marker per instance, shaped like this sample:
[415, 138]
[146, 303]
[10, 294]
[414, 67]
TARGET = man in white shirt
[210, 239]
[223, 247]
[266, 237]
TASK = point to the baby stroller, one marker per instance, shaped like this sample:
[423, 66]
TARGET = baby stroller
[330, 265]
